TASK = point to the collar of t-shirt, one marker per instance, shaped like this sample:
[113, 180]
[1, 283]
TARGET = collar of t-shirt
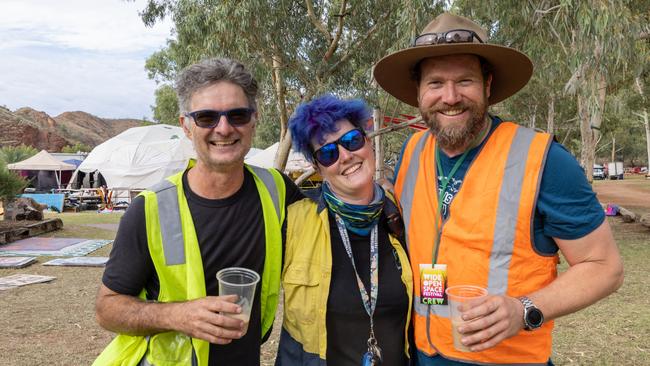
[246, 186]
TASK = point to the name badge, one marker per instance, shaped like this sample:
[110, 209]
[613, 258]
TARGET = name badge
[433, 282]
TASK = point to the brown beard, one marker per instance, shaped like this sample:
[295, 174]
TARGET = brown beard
[456, 137]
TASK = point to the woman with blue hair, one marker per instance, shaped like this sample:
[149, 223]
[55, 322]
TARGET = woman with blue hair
[346, 276]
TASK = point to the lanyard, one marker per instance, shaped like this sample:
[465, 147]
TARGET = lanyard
[441, 195]
[369, 302]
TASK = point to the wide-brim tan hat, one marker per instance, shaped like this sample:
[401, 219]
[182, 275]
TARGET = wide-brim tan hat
[511, 69]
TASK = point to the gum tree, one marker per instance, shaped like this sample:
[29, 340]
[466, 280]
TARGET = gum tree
[297, 49]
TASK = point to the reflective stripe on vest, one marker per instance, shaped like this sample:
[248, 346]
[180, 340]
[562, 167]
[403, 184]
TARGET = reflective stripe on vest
[266, 177]
[507, 212]
[411, 176]
[169, 215]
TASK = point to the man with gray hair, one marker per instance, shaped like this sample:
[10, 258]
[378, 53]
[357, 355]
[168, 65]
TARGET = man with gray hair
[159, 289]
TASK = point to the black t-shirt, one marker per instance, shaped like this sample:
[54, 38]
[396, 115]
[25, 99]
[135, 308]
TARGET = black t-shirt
[230, 233]
[348, 324]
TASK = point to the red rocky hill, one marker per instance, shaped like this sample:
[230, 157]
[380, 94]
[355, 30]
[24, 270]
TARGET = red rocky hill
[38, 129]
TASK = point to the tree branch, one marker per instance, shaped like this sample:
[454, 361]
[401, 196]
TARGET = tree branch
[358, 44]
[546, 11]
[395, 127]
[339, 31]
[317, 23]
[566, 53]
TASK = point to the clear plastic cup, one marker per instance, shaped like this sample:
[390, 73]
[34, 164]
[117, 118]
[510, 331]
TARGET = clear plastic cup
[241, 282]
[458, 296]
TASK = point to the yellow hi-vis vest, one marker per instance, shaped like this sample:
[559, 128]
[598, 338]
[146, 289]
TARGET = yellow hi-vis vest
[487, 239]
[180, 270]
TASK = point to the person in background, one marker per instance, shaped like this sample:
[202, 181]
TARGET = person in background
[159, 290]
[492, 201]
[346, 277]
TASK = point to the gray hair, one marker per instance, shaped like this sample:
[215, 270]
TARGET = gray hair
[211, 71]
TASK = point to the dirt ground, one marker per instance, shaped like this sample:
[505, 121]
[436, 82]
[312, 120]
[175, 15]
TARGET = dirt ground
[633, 193]
[53, 323]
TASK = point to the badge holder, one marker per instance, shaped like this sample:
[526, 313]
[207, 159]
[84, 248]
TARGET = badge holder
[373, 356]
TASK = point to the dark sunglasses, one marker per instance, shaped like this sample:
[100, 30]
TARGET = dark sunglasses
[209, 118]
[352, 140]
[452, 36]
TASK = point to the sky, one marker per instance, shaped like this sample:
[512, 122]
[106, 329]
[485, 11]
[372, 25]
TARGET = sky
[78, 55]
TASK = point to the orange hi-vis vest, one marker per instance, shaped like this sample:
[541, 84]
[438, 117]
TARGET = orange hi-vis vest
[486, 239]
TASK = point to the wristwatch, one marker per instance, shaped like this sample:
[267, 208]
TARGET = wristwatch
[533, 317]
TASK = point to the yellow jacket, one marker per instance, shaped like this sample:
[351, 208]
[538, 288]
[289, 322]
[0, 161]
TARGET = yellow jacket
[306, 279]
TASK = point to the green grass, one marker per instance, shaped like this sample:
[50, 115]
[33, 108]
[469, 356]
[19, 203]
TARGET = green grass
[616, 330]
[74, 224]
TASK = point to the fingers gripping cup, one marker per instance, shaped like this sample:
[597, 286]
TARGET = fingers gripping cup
[461, 298]
[241, 282]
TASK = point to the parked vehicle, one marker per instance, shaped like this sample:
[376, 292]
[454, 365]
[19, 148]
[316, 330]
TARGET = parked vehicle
[599, 171]
[615, 170]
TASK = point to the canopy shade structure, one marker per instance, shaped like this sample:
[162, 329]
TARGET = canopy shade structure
[41, 161]
[140, 157]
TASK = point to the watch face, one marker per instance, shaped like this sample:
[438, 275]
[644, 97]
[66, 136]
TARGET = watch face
[534, 317]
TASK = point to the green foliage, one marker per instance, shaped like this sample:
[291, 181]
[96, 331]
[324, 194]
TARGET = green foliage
[10, 184]
[572, 43]
[13, 154]
[166, 108]
[309, 58]
[78, 147]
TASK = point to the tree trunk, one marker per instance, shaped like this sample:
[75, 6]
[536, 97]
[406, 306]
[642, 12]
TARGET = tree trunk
[613, 159]
[587, 138]
[646, 122]
[533, 118]
[377, 117]
[550, 118]
[590, 121]
[284, 147]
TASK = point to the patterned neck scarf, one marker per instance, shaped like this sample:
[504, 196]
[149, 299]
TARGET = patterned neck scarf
[359, 219]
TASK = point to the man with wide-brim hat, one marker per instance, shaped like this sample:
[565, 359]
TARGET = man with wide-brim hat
[489, 203]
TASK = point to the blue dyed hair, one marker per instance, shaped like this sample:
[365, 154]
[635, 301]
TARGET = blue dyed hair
[319, 117]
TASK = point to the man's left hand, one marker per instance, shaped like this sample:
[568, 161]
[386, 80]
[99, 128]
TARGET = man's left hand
[496, 318]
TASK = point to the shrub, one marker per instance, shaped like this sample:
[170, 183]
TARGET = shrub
[10, 184]
[12, 154]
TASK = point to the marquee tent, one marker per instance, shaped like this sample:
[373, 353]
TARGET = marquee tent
[43, 161]
[140, 156]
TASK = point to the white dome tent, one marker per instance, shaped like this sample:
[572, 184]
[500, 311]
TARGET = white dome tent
[140, 156]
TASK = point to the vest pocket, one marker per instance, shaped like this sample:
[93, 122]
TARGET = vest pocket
[301, 286]
[169, 349]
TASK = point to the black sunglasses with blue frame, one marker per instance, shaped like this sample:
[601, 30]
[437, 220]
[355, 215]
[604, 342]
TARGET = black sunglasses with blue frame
[352, 140]
[209, 118]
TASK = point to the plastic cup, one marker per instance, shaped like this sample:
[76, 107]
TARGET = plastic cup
[241, 282]
[457, 296]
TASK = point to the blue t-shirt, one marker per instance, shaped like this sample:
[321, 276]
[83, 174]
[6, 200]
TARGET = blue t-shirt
[565, 211]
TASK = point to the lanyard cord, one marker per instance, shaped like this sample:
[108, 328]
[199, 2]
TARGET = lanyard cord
[369, 302]
[445, 182]
[441, 195]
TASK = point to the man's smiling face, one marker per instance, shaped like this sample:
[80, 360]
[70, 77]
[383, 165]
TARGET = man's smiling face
[453, 98]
